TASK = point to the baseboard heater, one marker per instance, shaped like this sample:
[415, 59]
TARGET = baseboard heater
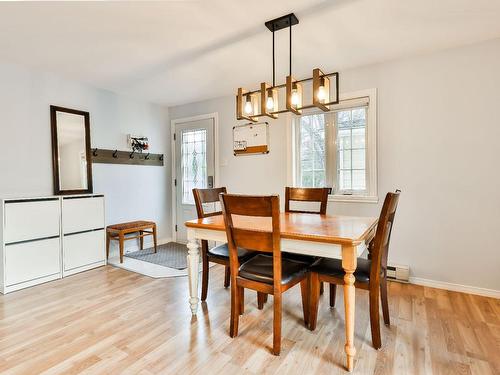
[397, 272]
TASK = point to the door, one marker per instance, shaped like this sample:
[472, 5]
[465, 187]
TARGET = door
[194, 167]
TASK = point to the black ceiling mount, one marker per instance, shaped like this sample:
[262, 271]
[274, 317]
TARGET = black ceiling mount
[282, 22]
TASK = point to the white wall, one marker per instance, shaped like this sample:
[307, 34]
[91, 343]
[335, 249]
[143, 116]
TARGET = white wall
[132, 192]
[438, 136]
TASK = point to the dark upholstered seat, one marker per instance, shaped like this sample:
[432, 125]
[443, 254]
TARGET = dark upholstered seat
[260, 268]
[299, 258]
[333, 267]
[222, 252]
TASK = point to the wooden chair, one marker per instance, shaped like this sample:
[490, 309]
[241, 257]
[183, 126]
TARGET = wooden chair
[307, 195]
[370, 274]
[257, 227]
[218, 254]
[319, 195]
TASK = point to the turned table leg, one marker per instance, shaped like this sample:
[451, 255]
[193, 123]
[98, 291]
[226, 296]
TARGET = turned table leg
[193, 260]
[349, 263]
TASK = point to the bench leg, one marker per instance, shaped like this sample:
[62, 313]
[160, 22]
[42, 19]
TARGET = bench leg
[154, 238]
[141, 239]
[122, 240]
[108, 240]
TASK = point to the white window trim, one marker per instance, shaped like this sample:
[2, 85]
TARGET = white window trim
[372, 118]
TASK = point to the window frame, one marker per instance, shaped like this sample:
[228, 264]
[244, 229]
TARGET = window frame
[371, 193]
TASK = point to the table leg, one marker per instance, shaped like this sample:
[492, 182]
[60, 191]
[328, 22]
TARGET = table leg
[349, 263]
[193, 260]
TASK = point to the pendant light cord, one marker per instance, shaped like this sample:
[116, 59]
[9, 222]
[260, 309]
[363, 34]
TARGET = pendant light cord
[274, 74]
[290, 23]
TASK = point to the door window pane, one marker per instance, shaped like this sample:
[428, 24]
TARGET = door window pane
[193, 162]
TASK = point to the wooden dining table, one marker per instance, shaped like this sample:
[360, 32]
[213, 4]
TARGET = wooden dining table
[328, 236]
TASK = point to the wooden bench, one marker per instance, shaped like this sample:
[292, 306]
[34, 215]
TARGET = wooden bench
[119, 232]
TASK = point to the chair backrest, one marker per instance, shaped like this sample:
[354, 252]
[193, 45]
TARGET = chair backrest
[252, 222]
[202, 196]
[383, 235]
[307, 195]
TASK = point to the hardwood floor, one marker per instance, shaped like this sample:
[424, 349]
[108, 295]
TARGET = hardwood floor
[111, 321]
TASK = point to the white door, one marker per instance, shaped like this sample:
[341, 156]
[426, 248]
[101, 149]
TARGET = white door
[194, 167]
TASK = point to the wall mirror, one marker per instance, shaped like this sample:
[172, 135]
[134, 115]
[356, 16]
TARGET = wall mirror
[71, 159]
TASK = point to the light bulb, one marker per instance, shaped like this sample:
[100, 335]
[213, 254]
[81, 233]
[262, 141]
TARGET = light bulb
[248, 107]
[321, 93]
[295, 98]
[270, 103]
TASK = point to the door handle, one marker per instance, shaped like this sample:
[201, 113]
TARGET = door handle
[210, 182]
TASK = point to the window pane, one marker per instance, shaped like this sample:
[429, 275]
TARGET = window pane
[351, 150]
[194, 162]
[358, 159]
[312, 150]
[345, 180]
[358, 179]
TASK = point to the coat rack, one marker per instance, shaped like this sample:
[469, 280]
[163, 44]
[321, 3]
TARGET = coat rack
[104, 156]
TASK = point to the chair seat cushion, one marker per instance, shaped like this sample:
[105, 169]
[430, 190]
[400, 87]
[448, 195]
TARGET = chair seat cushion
[333, 267]
[222, 252]
[260, 268]
[299, 258]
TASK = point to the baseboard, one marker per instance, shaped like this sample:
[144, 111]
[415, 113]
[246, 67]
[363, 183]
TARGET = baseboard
[456, 287]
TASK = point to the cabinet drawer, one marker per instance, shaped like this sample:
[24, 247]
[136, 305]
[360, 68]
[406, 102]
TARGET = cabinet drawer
[83, 249]
[80, 214]
[31, 220]
[32, 260]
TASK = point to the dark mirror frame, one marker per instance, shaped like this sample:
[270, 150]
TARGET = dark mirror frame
[55, 151]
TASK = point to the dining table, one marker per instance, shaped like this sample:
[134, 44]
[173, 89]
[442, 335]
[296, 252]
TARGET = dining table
[327, 236]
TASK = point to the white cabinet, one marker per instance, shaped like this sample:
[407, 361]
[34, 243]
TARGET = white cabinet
[43, 239]
[83, 233]
[32, 261]
[83, 251]
[31, 219]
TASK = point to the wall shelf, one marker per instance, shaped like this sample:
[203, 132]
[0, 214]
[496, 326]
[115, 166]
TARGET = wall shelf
[125, 157]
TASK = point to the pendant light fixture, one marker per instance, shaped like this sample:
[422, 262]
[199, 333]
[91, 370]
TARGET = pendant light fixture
[248, 105]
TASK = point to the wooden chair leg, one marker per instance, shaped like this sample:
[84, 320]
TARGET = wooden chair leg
[227, 277]
[121, 239]
[235, 311]
[321, 288]
[304, 291]
[204, 274]
[314, 286]
[333, 294]
[277, 324]
[108, 240]
[141, 239]
[155, 240]
[261, 297]
[385, 302]
[375, 317]
[241, 292]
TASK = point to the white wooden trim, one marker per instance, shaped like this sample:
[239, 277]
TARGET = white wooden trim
[173, 123]
[456, 287]
[353, 198]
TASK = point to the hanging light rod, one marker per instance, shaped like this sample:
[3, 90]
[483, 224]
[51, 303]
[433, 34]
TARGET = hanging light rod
[250, 105]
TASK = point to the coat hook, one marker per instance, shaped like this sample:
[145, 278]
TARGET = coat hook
[94, 153]
[146, 157]
[131, 156]
[114, 154]
[160, 158]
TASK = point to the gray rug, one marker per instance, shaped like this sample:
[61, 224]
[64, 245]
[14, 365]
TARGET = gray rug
[172, 255]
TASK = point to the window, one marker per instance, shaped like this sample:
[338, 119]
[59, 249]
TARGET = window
[194, 162]
[338, 149]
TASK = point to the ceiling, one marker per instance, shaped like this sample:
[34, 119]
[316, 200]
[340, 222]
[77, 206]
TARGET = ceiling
[175, 52]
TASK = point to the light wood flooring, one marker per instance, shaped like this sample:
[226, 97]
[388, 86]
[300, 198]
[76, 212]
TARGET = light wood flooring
[111, 321]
